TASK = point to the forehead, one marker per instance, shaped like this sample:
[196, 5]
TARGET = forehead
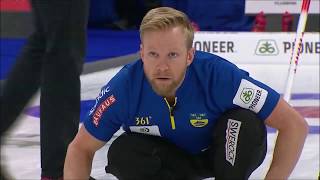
[170, 37]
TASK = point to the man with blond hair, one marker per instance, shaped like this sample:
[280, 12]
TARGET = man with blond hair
[186, 114]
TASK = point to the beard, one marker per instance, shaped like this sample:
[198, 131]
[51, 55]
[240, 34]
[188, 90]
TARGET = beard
[167, 88]
[164, 89]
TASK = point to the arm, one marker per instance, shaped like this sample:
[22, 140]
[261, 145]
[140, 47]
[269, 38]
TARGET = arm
[293, 130]
[80, 154]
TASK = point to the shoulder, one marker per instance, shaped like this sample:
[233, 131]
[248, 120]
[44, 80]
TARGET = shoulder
[201, 55]
[211, 59]
[131, 68]
[128, 72]
[211, 63]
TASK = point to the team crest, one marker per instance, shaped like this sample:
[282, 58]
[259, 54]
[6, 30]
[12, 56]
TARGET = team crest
[198, 120]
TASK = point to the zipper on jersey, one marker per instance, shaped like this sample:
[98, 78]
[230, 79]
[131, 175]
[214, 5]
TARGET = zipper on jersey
[171, 108]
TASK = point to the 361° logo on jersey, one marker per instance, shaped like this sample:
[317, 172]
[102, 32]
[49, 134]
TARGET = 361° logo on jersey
[267, 47]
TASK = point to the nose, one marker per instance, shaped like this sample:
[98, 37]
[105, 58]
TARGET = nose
[162, 65]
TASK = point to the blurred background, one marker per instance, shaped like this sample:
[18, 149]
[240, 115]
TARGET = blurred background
[117, 22]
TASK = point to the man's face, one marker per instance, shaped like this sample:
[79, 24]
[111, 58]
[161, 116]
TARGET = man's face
[165, 59]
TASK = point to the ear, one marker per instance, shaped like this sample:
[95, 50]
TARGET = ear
[141, 52]
[190, 55]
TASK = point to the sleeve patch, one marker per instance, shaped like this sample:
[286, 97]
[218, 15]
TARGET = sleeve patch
[250, 96]
[101, 109]
[101, 94]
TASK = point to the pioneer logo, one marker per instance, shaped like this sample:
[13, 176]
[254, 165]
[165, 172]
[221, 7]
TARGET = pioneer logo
[246, 95]
[256, 99]
[267, 47]
[250, 96]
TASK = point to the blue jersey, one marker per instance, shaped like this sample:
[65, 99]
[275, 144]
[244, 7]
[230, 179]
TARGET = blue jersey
[211, 86]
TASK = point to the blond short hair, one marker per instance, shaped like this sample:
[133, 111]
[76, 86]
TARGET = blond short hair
[163, 18]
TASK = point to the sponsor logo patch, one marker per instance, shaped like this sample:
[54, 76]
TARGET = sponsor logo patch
[247, 95]
[232, 133]
[96, 117]
[150, 130]
[250, 96]
[101, 94]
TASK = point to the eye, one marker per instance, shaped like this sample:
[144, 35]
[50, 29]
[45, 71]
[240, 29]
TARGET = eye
[173, 55]
[153, 54]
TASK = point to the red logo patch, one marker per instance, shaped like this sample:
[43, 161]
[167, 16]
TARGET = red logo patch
[101, 109]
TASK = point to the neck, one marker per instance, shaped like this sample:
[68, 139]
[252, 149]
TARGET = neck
[171, 100]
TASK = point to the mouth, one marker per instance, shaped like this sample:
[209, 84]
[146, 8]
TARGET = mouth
[162, 79]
